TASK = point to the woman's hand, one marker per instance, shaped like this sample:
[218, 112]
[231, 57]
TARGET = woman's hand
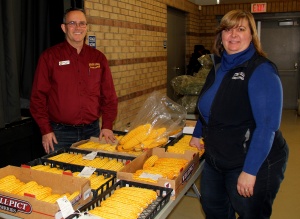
[197, 142]
[245, 184]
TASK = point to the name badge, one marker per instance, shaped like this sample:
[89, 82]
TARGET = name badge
[66, 62]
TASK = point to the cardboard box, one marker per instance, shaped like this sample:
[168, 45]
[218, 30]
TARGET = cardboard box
[176, 184]
[76, 168]
[29, 207]
[94, 139]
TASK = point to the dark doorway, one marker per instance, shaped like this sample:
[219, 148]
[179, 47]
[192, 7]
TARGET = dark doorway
[175, 47]
[280, 38]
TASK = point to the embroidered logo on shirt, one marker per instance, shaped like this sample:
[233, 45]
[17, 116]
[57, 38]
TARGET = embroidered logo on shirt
[66, 62]
[94, 65]
[239, 76]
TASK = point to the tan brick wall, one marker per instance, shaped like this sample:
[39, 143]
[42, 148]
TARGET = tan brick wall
[210, 12]
[131, 33]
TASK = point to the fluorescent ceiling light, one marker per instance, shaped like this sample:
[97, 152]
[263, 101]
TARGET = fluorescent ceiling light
[205, 2]
[286, 23]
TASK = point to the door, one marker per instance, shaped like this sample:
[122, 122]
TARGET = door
[281, 43]
[175, 47]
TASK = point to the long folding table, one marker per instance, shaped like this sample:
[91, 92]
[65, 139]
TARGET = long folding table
[185, 191]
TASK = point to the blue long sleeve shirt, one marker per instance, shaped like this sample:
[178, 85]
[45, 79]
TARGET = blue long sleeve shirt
[265, 93]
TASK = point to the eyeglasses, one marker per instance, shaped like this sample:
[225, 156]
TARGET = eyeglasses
[74, 24]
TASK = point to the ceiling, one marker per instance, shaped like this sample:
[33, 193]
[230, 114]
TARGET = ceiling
[214, 2]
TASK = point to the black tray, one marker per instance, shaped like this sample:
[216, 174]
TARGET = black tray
[174, 141]
[150, 212]
[123, 158]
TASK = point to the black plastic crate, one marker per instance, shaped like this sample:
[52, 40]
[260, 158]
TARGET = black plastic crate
[77, 168]
[150, 212]
[39, 161]
[174, 141]
[99, 154]
[122, 158]
[171, 141]
[105, 173]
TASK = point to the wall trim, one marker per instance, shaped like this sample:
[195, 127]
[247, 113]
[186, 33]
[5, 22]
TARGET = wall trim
[141, 93]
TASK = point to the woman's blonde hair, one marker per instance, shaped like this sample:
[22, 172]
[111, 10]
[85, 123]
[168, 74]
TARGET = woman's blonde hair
[232, 19]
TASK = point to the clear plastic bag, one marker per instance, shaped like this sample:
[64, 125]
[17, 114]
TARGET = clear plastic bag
[158, 119]
[160, 111]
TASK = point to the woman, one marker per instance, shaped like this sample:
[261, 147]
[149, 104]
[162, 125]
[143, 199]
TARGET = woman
[239, 116]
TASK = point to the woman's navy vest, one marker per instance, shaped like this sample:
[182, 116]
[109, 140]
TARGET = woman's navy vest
[228, 133]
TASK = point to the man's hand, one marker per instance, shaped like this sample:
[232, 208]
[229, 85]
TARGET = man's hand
[108, 135]
[48, 140]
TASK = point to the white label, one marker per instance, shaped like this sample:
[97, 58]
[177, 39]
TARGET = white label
[86, 194]
[65, 206]
[150, 176]
[89, 216]
[87, 172]
[90, 156]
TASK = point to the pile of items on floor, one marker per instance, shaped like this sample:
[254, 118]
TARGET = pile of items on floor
[134, 177]
[188, 87]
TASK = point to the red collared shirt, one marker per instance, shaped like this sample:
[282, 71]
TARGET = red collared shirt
[73, 88]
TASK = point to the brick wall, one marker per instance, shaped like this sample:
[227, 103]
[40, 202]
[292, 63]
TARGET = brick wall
[130, 33]
[209, 13]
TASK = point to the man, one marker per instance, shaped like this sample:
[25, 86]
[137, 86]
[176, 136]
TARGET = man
[194, 64]
[72, 89]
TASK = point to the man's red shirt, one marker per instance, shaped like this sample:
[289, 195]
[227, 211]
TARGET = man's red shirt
[73, 88]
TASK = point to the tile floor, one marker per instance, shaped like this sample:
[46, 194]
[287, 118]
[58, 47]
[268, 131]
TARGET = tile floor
[286, 205]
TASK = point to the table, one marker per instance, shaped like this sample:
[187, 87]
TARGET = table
[190, 184]
[171, 204]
